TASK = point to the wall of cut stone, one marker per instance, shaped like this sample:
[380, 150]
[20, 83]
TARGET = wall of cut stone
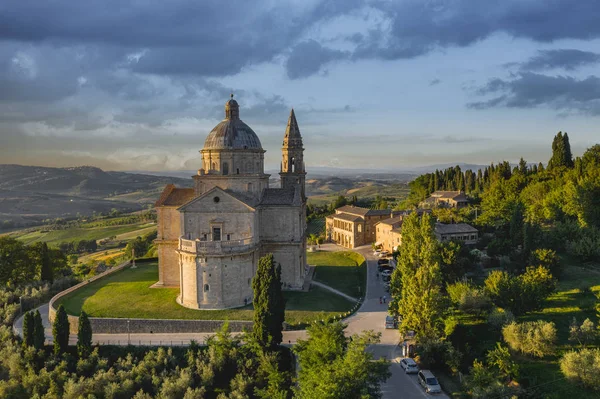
[145, 326]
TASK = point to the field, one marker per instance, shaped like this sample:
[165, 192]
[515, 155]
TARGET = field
[127, 294]
[55, 237]
[344, 271]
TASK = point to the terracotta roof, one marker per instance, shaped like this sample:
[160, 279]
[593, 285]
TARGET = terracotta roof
[458, 196]
[442, 228]
[353, 210]
[356, 210]
[278, 196]
[392, 221]
[172, 196]
[348, 217]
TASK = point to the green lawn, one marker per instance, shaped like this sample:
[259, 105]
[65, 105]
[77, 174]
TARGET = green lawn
[55, 237]
[127, 294]
[344, 271]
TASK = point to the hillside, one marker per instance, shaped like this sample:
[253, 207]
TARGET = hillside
[30, 194]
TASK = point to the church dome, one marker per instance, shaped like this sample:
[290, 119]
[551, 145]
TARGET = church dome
[232, 133]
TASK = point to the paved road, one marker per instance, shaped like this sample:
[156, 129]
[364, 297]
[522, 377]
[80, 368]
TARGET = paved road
[371, 316]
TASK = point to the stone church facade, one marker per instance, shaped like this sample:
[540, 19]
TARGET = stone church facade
[211, 237]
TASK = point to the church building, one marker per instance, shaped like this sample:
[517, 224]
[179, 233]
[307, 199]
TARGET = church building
[211, 237]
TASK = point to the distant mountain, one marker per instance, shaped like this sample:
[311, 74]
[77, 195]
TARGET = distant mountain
[29, 194]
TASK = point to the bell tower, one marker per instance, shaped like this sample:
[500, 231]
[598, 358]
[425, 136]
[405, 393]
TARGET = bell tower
[292, 172]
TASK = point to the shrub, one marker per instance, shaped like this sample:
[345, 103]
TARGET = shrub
[498, 318]
[468, 298]
[547, 258]
[535, 338]
[582, 366]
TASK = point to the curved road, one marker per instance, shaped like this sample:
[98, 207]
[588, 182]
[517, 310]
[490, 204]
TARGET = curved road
[370, 316]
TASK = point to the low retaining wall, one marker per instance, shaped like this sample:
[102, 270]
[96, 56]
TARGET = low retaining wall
[102, 325]
[162, 326]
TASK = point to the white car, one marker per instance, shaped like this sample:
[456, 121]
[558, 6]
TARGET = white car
[383, 254]
[376, 252]
[409, 365]
[428, 381]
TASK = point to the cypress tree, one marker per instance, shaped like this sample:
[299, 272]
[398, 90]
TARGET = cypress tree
[417, 283]
[561, 152]
[84, 336]
[46, 273]
[28, 329]
[39, 335]
[567, 149]
[269, 305]
[60, 331]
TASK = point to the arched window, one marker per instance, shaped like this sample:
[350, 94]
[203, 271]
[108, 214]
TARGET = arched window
[206, 288]
[249, 186]
[214, 166]
[238, 171]
[293, 162]
[225, 168]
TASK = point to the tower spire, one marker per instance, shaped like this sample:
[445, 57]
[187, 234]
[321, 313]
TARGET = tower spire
[292, 165]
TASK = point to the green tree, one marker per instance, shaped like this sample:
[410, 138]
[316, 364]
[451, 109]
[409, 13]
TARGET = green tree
[60, 331]
[39, 335]
[269, 303]
[84, 336]
[584, 334]
[420, 279]
[332, 366]
[561, 152]
[16, 265]
[28, 329]
[500, 359]
[46, 267]
[536, 338]
[548, 259]
[582, 366]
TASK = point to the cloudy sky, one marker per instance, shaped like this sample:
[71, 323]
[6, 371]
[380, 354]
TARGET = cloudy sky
[138, 85]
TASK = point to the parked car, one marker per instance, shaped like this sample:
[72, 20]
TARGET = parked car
[409, 365]
[387, 278]
[385, 267]
[383, 261]
[386, 272]
[383, 254]
[428, 381]
[377, 252]
[390, 322]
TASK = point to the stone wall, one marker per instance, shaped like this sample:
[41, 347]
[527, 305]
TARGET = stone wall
[163, 326]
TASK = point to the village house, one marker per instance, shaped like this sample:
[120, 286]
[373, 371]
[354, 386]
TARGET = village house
[445, 199]
[353, 226]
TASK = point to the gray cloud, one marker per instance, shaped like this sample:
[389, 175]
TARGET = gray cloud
[434, 82]
[568, 59]
[308, 57]
[530, 90]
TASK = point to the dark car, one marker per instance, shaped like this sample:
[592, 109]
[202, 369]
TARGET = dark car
[385, 267]
[383, 261]
[386, 278]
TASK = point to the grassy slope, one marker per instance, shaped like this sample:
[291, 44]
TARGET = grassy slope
[572, 299]
[55, 237]
[343, 271]
[128, 294]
